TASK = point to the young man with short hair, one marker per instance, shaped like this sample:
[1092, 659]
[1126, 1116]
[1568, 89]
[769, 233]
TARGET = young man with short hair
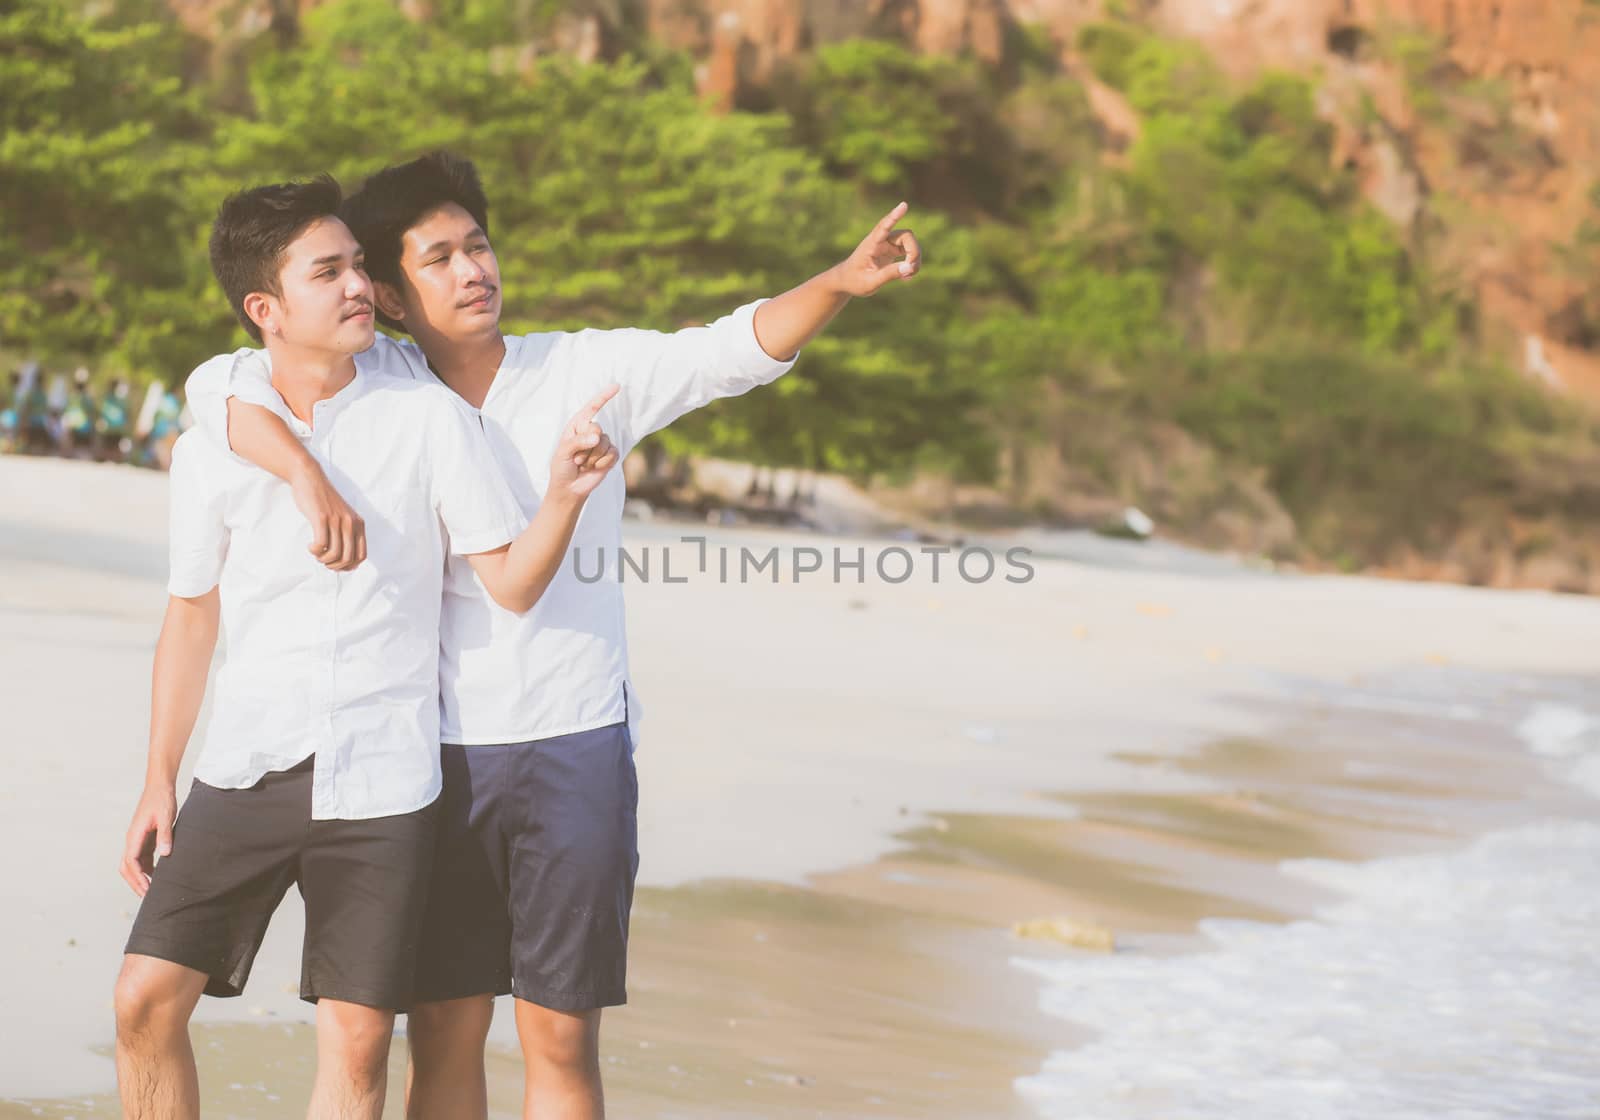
[321, 767]
[537, 852]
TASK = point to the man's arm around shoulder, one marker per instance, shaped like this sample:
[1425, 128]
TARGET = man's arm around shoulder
[232, 397]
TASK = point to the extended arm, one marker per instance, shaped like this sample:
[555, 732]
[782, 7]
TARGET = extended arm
[787, 322]
[178, 685]
[666, 375]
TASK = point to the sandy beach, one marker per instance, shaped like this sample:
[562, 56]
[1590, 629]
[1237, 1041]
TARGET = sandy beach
[851, 793]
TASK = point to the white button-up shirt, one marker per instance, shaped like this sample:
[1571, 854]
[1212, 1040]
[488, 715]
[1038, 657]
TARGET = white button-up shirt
[343, 665]
[563, 666]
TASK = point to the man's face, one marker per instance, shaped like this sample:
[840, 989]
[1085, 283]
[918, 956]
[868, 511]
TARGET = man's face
[450, 278]
[326, 300]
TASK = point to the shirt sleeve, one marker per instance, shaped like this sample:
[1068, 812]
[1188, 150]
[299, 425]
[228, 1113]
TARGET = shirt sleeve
[663, 376]
[471, 495]
[246, 374]
[197, 536]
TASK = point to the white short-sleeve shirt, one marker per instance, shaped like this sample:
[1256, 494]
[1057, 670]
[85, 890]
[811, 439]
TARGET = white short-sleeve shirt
[563, 666]
[342, 665]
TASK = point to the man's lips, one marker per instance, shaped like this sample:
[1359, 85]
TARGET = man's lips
[358, 313]
[481, 300]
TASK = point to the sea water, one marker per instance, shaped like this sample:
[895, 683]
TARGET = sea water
[1453, 985]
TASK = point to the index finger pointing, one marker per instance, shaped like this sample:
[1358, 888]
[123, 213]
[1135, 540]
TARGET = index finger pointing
[893, 216]
[601, 399]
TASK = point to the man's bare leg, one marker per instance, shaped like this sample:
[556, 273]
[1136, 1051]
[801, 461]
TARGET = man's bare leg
[156, 1074]
[352, 1061]
[561, 1053]
[445, 1078]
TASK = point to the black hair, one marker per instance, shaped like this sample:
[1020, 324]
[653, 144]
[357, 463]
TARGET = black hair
[253, 229]
[393, 200]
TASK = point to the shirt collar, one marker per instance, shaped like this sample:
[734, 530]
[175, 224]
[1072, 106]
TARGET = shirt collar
[326, 409]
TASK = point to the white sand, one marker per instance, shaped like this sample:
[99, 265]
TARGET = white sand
[790, 728]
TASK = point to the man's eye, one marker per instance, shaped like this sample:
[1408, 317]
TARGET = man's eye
[437, 260]
[328, 274]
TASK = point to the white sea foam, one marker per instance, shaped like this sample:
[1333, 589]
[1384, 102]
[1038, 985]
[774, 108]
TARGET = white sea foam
[1569, 739]
[1459, 985]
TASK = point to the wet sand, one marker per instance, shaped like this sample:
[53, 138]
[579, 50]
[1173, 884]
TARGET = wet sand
[886, 990]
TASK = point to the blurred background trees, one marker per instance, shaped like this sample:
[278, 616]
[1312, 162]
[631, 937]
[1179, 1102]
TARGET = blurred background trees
[1206, 317]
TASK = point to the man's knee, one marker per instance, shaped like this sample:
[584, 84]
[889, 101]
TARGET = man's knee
[153, 998]
[354, 1037]
[564, 1039]
[450, 1032]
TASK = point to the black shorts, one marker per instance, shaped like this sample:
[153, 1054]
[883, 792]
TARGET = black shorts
[533, 878]
[234, 854]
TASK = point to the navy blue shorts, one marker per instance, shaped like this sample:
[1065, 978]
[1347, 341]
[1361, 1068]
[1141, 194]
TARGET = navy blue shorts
[533, 872]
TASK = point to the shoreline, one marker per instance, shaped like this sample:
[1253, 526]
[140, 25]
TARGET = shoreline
[903, 706]
[890, 988]
[846, 512]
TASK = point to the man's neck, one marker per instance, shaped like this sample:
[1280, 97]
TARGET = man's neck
[303, 377]
[468, 367]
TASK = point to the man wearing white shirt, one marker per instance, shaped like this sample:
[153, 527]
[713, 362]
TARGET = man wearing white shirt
[321, 767]
[537, 854]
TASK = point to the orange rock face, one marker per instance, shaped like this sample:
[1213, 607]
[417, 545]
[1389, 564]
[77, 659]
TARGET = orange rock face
[1547, 55]
[1544, 55]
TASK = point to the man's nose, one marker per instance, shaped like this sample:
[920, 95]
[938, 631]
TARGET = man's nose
[357, 285]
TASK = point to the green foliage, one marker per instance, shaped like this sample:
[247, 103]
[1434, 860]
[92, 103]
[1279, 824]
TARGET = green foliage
[887, 117]
[97, 242]
[1109, 49]
[1055, 141]
[617, 200]
[874, 111]
[1222, 281]
[1156, 75]
[1231, 280]
[485, 24]
[1579, 322]
[1330, 426]
[1477, 112]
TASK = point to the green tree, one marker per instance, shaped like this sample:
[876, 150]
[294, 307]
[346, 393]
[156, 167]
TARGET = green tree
[97, 236]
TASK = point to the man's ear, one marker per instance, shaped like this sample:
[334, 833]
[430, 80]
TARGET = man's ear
[388, 300]
[262, 311]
